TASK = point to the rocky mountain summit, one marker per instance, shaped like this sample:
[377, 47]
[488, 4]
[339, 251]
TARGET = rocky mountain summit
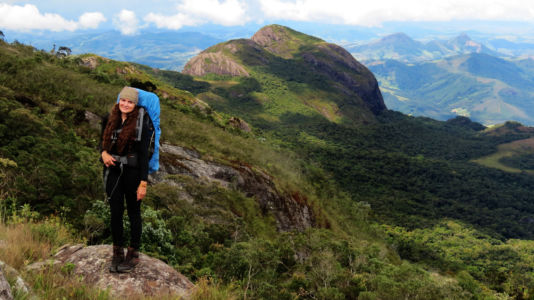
[295, 57]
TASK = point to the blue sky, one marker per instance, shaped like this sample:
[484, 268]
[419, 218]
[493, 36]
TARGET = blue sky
[131, 17]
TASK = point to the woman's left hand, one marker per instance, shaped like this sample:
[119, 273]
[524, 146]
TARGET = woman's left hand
[141, 190]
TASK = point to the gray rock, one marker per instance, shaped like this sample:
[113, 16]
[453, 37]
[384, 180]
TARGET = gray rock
[151, 277]
[10, 272]
[291, 211]
[5, 288]
[214, 62]
[41, 264]
[91, 62]
[93, 119]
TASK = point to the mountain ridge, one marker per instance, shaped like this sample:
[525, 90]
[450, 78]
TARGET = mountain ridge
[401, 47]
[279, 47]
[489, 89]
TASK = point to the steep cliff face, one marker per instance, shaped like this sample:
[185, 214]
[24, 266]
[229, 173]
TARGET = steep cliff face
[282, 52]
[353, 78]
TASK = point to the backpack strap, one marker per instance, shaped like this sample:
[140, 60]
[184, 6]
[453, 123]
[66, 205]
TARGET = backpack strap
[139, 124]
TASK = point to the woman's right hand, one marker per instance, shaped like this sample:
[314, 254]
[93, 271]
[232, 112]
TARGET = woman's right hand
[108, 159]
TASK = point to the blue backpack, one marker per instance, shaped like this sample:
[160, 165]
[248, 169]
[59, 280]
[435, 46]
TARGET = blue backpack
[149, 103]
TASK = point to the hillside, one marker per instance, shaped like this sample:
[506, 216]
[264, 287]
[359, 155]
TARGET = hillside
[305, 205]
[485, 88]
[312, 77]
[50, 112]
[415, 172]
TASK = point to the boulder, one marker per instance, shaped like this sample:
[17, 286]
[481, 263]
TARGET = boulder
[10, 272]
[239, 124]
[90, 62]
[152, 277]
[5, 288]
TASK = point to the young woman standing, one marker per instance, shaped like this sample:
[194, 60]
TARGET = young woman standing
[125, 157]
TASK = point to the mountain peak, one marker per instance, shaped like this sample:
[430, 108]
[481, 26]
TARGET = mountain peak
[298, 57]
[461, 39]
[281, 40]
[397, 37]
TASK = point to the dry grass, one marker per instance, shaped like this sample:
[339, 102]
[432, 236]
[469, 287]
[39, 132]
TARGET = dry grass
[24, 241]
[206, 289]
[57, 282]
[27, 242]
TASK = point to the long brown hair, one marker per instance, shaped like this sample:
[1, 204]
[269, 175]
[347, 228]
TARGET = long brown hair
[127, 135]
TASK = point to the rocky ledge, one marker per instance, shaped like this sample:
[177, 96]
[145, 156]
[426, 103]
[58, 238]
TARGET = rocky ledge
[291, 210]
[151, 277]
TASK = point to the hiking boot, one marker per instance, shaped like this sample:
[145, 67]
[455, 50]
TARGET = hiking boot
[117, 259]
[132, 259]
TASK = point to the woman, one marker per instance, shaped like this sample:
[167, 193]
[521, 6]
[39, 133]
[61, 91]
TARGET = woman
[125, 157]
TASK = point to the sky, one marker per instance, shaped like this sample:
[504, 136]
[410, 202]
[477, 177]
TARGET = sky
[131, 17]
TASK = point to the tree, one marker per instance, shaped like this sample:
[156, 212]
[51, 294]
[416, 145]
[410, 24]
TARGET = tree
[63, 51]
[2, 36]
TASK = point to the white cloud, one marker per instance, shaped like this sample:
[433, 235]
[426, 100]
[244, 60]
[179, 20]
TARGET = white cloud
[28, 17]
[195, 12]
[372, 13]
[91, 20]
[228, 12]
[127, 22]
[175, 22]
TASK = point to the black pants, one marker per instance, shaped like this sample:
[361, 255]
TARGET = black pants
[118, 187]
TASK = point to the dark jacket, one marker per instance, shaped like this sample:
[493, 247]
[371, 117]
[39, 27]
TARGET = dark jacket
[140, 148]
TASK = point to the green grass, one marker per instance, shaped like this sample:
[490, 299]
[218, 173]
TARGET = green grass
[507, 151]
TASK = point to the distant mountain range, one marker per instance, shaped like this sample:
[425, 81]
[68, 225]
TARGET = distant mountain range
[442, 79]
[485, 88]
[401, 47]
[168, 50]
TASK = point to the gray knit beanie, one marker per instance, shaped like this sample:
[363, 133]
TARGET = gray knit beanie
[129, 93]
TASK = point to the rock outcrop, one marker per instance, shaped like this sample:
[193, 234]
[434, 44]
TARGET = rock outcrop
[280, 40]
[10, 272]
[291, 211]
[5, 288]
[90, 62]
[215, 63]
[151, 277]
[239, 124]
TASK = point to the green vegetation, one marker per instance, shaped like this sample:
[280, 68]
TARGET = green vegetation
[378, 190]
[490, 89]
[521, 162]
[506, 267]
